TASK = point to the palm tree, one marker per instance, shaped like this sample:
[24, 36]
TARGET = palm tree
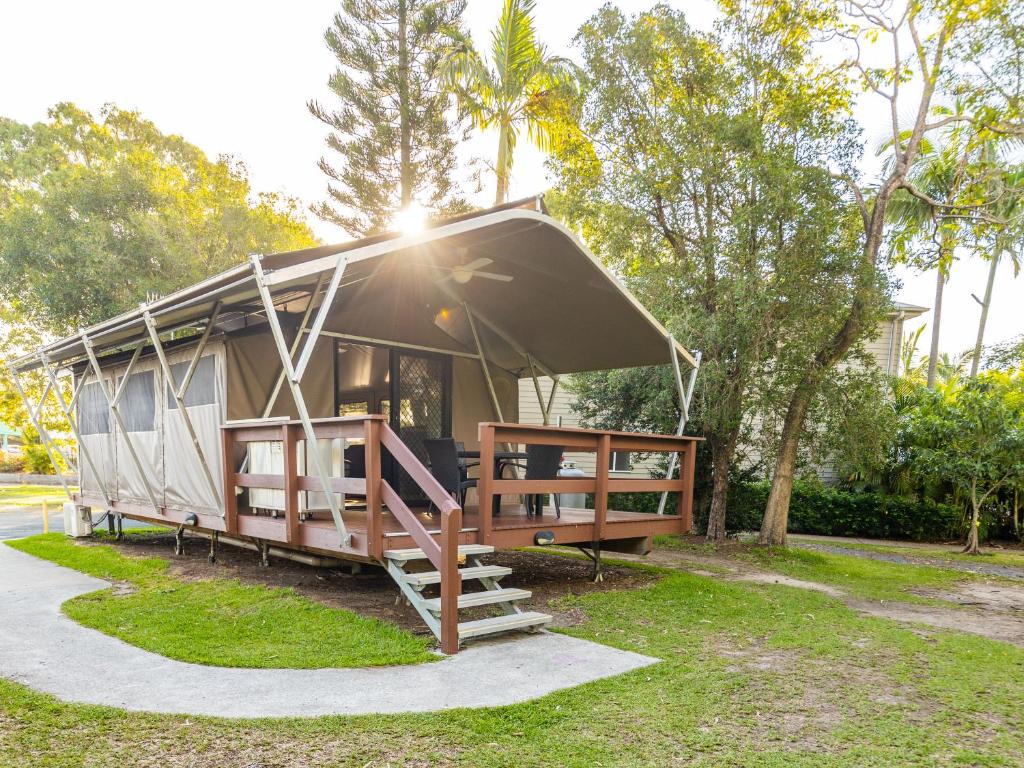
[1001, 238]
[922, 232]
[521, 87]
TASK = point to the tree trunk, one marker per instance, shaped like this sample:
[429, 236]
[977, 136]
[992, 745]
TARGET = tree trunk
[933, 353]
[776, 513]
[403, 105]
[721, 460]
[972, 535]
[501, 167]
[976, 359]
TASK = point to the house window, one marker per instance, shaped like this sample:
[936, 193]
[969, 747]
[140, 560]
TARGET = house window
[202, 389]
[620, 461]
[137, 405]
[93, 413]
[355, 408]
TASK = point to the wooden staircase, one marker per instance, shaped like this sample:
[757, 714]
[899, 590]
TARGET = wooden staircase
[413, 582]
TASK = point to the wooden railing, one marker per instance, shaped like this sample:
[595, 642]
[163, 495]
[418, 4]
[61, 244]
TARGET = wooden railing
[373, 432]
[601, 442]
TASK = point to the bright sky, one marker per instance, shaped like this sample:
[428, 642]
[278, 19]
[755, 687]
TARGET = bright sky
[234, 77]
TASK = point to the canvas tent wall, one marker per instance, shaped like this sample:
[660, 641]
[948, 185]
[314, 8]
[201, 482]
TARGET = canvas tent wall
[170, 469]
[234, 379]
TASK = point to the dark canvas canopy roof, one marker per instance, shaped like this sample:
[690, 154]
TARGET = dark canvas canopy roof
[562, 308]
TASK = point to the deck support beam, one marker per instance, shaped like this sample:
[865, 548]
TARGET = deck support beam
[179, 390]
[112, 403]
[294, 377]
[685, 395]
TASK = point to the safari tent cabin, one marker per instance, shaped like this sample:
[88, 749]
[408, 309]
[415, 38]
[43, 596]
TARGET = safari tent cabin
[290, 405]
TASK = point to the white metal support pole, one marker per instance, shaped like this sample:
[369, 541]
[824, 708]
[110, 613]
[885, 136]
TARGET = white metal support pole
[44, 436]
[38, 416]
[483, 363]
[684, 407]
[69, 413]
[179, 390]
[296, 342]
[540, 395]
[300, 403]
[112, 404]
[321, 317]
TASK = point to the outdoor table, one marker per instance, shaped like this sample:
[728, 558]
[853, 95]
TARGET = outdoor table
[500, 458]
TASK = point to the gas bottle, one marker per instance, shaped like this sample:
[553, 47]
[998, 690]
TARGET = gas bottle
[572, 500]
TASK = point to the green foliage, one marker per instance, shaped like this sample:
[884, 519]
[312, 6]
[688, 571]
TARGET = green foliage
[971, 437]
[220, 621]
[37, 461]
[390, 130]
[815, 509]
[126, 211]
[522, 87]
[12, 462]
[692, 174]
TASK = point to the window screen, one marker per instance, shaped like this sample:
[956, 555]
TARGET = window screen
[137, 405]
[93, 413]
[202, 390]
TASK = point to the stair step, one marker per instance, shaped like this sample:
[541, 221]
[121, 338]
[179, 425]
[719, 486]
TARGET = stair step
[418, 554]
[477, 572]
[481, 627]
[488, 597]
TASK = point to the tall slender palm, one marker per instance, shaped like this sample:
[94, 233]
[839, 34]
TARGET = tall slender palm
[1000, 238]
[521, 87]
[923, 233]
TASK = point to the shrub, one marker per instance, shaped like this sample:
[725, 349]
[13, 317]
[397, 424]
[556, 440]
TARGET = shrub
[37, 462]
[12, 462]
[816, 509]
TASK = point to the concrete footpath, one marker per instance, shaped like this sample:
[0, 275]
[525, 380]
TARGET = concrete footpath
[45, 650]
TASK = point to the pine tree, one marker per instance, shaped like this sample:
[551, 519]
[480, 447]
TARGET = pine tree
[392, 128]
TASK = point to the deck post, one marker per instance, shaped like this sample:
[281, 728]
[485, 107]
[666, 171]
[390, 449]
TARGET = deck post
[451, 582]
[112, 404]
[227, 450]
[486, 481]
[289, 452]
[684, 408]
[604, 454]
[685, 505]
[73, 422]
[293, 383]
[374, 524]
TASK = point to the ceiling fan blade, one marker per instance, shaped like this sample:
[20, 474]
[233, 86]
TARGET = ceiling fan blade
[494, 276]
[477, 264]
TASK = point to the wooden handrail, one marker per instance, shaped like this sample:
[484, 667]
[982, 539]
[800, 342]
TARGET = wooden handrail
[444, 557]
[601, 442]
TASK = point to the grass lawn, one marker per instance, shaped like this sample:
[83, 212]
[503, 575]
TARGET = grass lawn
[752, 675]
[20, 496]
[221, 622]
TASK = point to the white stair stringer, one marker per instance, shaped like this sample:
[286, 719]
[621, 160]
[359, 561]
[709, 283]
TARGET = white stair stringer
[412, 584]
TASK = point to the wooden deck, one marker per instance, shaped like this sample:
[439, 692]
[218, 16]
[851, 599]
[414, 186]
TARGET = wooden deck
[375, 518]
[512, 528]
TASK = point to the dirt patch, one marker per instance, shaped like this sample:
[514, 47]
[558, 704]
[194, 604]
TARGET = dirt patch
[786, 581]
[991, 624]
[983, 595]
[371, 591]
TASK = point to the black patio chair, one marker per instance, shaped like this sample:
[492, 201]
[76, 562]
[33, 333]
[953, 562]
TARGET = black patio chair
[446, 468]
[542, 463]
[355, 461]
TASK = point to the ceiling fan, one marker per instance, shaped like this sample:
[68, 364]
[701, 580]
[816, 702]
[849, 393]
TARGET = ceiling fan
[463, 273]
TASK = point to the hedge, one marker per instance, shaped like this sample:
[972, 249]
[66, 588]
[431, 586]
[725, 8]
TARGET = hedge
[820, 510]
[826, 511]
